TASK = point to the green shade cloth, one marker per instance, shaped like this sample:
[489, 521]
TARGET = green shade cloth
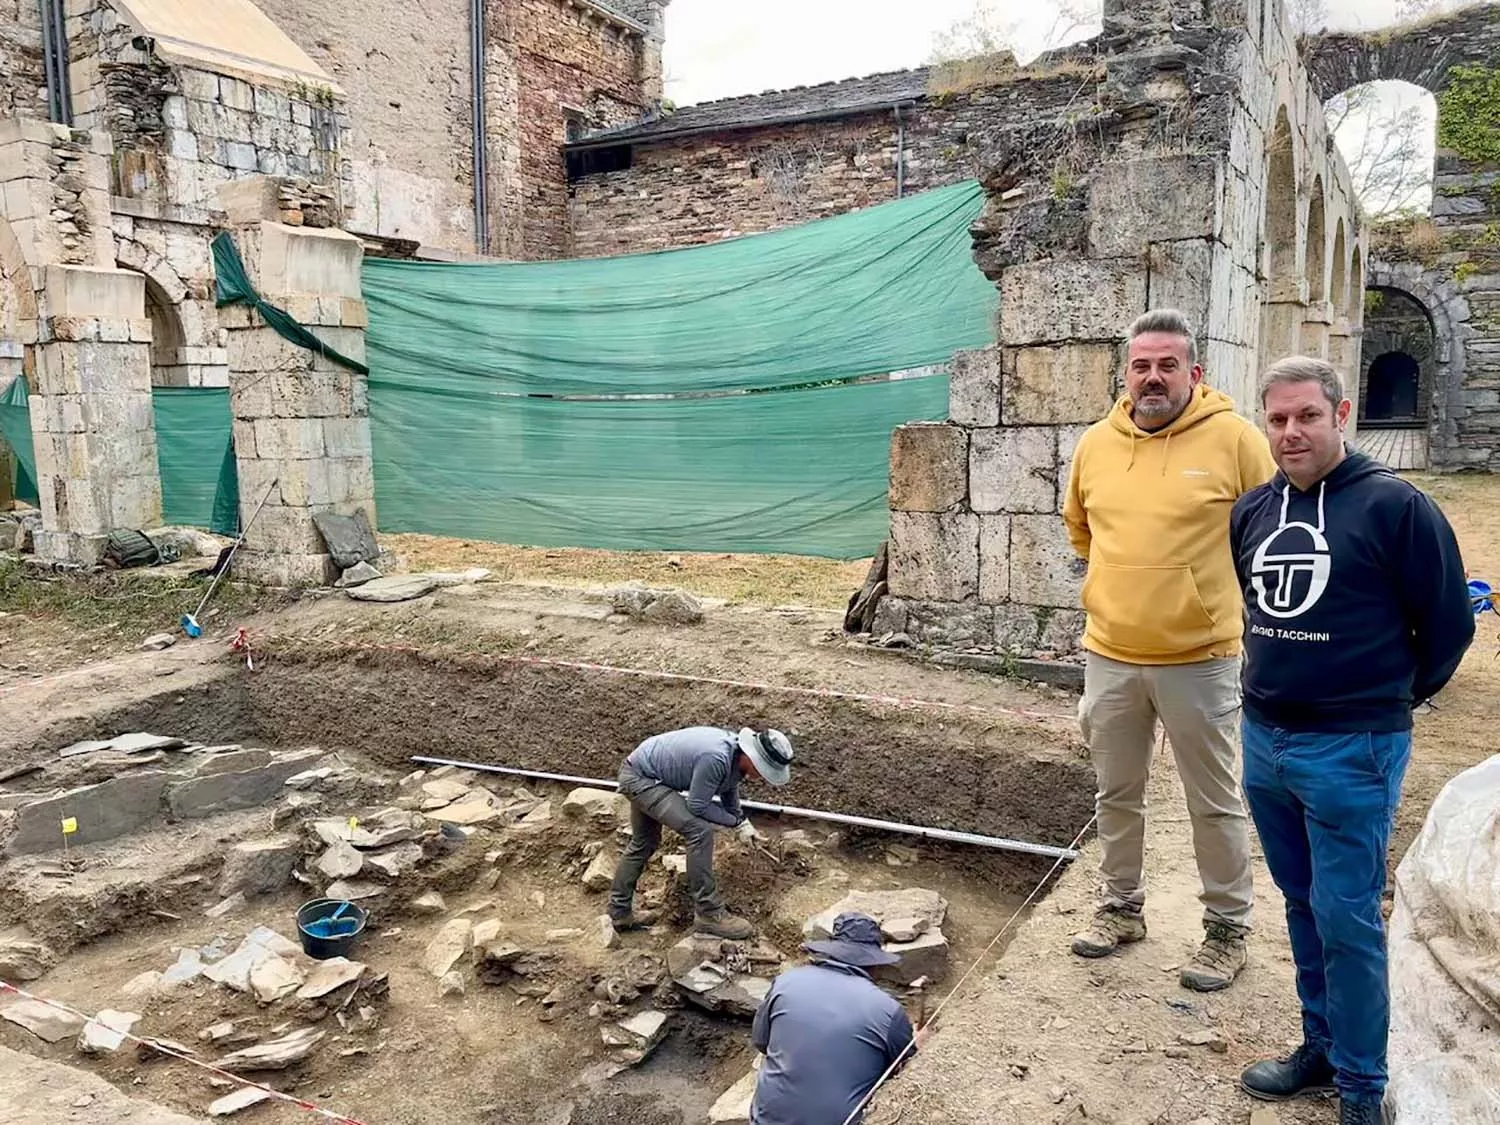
[194, 453]
[800, 472]
[469, 440]
[15, 427]
[873, 291]
[199, 476]
[232, 286]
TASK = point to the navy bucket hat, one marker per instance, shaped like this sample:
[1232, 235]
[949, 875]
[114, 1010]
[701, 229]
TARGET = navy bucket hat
[856, 941]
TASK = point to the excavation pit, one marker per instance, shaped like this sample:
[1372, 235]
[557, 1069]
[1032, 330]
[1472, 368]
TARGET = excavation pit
[527, 1049]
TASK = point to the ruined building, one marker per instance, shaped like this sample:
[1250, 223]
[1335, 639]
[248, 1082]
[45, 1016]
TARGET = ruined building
[1180, 157]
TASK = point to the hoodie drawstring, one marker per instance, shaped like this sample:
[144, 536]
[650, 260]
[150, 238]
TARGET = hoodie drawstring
[1166, 450]
[1131, 464]
[1286, 499]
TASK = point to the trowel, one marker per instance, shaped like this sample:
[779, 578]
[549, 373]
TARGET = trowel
[190, 624]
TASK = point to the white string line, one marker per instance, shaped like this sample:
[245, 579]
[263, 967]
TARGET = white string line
[891, 1070]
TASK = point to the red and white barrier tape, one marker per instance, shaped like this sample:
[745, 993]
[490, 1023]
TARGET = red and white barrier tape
[748, 685]
[160, 1047]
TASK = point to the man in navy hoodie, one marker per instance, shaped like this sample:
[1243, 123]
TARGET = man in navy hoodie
[1357, 610]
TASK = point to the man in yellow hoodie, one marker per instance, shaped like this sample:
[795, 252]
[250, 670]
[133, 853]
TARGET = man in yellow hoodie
[1148, 506]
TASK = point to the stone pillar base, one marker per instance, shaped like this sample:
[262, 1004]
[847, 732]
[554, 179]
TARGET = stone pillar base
[70, 548]
[273, 568]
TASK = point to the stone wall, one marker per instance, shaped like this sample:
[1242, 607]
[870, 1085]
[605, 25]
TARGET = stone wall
[560, 60]
[23, 82]
[1197, 167]
[1449, 264]
[404, 71]
[691, 190]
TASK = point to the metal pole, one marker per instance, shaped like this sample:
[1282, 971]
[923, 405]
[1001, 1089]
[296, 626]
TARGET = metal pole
[481, 142]
[946, 835]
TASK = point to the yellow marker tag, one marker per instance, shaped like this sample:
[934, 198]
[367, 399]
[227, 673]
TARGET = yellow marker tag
[353, 823]
[70, 825]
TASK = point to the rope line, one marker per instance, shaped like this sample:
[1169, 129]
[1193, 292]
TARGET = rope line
[161, 1047]
[911, 1045]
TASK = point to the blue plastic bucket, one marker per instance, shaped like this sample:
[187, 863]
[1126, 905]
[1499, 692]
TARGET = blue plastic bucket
[1481, 596]
[330, 939]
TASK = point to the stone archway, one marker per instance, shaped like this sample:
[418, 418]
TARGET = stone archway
[1284, 298]
[1440, 406]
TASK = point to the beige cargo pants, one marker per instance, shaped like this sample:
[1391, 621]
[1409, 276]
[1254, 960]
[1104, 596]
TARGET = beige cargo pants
[1199, 705]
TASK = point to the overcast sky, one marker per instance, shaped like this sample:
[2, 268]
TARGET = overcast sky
[720, 48]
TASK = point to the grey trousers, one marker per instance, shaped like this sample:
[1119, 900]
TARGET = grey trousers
[651, 806]
[1199, 705]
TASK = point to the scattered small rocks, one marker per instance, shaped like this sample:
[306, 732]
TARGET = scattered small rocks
[142, 985]
[600, 873]
[609, 937]
[158, 641]
[217, 1033]
[451, 984]
[243, 1098]
[632, 1040]
[429, 902]
[1205, 1037]
[357, 575]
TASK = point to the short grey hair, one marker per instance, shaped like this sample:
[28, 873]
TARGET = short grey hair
[1304, 369]
[1171, 321]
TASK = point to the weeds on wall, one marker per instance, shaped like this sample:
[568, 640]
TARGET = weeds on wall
[1469, 114]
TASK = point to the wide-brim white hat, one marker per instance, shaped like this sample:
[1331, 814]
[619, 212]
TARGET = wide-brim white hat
[771, 751]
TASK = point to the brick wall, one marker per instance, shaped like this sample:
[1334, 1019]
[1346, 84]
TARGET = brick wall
[704, 188]
[565, 59]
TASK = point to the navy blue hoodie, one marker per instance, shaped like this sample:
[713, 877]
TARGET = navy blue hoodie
[1356, 600]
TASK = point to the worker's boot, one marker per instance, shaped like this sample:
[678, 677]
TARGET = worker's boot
[633, 920]
[723, 924]
[1111, 928]
[1217, 962]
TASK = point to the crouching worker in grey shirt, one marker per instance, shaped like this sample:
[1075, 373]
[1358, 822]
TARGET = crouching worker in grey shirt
[828, 1031]
[704, 763]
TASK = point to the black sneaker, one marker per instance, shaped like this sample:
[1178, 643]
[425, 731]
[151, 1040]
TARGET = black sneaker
[1361, 1113]
[1305, 1071]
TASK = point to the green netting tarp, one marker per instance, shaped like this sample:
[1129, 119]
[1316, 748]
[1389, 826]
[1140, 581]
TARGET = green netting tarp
[878, 290]
[199, 478]
[467, 360]
[15, 428]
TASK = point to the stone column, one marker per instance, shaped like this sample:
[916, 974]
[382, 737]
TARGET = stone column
[301, 421]
[1317, 327]
[91, 419]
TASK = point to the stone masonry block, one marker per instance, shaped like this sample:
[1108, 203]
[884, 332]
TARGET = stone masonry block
[301, 260]
[1181, 278]
[254, 199]
[85, 291]
[1060, 300]
[950, 625]
[104, 812]
[1027, 630]
[994, 559]
[1156, 199]
[286, 570]
[347, 437]
[934, 556]
[929, 467]
[281, 529]
[289, 439]
[1043, 568]
[1013, 469]
[1051, 385]
[974, 388]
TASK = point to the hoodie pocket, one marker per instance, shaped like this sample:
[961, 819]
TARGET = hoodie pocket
[1148, 610]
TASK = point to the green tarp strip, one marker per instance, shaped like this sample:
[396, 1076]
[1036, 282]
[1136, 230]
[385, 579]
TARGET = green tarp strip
[199, 477]
[470, 441]
[232, 286]
[15, 427]
[787, 472]
[873, 291]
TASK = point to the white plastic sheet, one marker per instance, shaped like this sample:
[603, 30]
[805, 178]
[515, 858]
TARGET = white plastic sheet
[1445, 961]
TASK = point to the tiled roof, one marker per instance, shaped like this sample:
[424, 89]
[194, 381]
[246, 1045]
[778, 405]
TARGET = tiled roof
[830, 99]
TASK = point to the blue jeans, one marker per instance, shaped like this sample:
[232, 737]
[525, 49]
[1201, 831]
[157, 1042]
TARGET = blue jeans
[1324, 806]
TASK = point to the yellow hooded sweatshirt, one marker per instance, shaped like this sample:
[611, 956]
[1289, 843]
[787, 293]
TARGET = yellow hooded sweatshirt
[1150, 513]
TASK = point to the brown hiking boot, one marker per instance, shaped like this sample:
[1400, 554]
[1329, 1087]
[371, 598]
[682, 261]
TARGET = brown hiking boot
[1111, 928]
[635, 920]
[729, 926]
[1218, 960]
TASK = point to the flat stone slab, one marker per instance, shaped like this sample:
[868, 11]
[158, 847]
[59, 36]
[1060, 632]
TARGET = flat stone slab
[243, 1098]
[106, 1031]
[329, 976]
[46, 1023]
[105, 811]
[394, 588]
[239, 789]
[278, 1054]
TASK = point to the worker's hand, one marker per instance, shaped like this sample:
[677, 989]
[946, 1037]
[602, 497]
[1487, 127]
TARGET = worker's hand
[923, 1035]
[747, 832]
